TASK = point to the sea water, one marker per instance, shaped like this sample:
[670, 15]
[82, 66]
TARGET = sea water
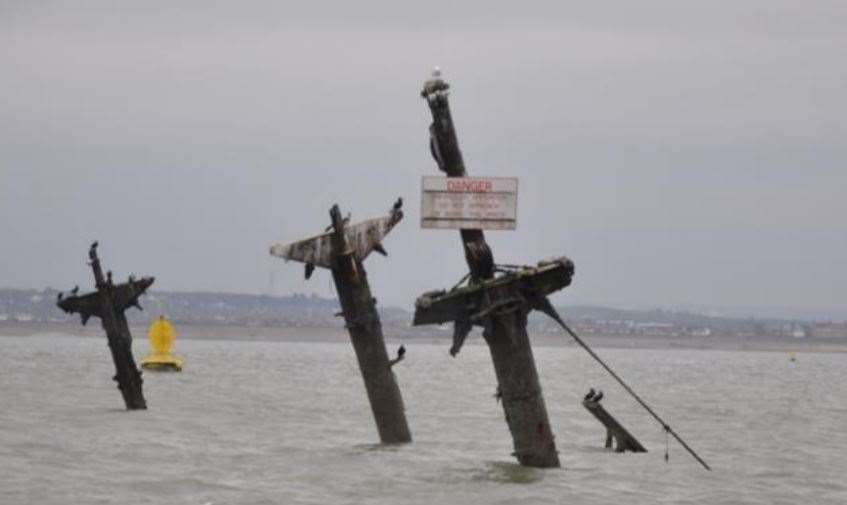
[252, 422]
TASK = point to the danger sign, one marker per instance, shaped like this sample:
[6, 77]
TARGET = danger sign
[482, 203]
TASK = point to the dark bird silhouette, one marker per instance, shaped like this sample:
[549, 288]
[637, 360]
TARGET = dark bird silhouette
[59, 296]
[598, 397]
[75, 290]
[590, 394]
[398, 204]
[401, 351]
[344, 222]
[92, 253]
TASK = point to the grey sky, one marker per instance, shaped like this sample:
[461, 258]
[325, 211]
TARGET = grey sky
[682, 153]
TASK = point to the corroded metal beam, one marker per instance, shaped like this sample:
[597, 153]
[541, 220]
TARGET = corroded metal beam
[342, 250]
[109, 302]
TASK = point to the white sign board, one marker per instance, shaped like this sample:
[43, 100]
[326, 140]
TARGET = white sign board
[481, 203]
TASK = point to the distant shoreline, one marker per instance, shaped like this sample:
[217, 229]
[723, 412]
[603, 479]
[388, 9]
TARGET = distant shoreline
[436, 336]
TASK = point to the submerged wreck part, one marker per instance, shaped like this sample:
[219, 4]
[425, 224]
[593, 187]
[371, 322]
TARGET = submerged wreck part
[624, 441]
[108, 303]
[550, 311]
[500, 305]
[342, 250]
[502, 312]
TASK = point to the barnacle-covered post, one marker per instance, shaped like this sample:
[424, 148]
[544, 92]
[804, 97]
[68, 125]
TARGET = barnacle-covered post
[342, 249]
[498, 304]
[109, 302]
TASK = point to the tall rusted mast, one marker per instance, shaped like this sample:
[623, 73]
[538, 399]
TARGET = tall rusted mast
[504, 330]
[109, 302]
[342, 250]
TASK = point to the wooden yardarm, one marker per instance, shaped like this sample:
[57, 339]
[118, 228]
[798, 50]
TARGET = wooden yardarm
[109, 302]
[501, 310]
[342, 250]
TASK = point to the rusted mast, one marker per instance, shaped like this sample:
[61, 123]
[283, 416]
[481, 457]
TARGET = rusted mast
[109, 302]
[505, 331]
[342, 250]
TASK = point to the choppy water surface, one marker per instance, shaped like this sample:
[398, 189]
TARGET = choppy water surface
[279, 422]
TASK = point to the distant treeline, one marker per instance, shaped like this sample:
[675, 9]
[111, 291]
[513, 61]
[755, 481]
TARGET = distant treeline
[193, 308]
[312, 310]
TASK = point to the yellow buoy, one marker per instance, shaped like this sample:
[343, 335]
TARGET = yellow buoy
[161, 335]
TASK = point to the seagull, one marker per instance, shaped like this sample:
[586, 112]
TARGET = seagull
[75, 290]
[598, 397]
[590, 394]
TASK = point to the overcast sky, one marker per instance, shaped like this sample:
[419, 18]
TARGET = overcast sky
[681, 153]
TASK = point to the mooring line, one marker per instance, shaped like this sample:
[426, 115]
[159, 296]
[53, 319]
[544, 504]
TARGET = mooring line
[555, 315]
